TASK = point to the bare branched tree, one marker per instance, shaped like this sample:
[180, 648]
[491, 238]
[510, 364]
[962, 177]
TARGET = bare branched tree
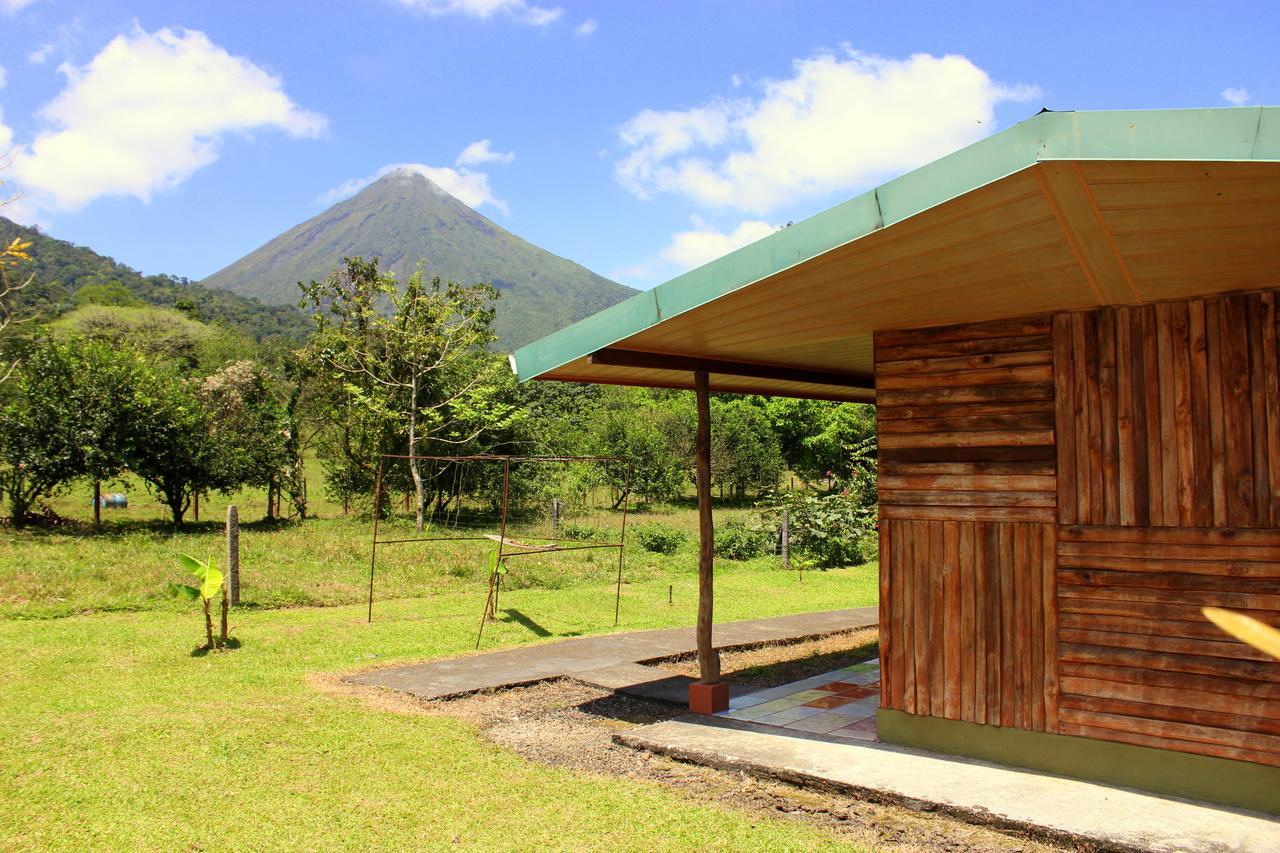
[417, 358]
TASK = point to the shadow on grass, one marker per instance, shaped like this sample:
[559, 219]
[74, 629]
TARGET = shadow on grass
[201, 651]
[122, 528]
[521, 619]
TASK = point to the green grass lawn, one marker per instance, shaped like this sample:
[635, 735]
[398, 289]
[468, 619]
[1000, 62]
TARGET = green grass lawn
[115, 736]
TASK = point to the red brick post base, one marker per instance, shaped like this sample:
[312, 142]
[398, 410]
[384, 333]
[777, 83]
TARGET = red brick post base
[708, 698]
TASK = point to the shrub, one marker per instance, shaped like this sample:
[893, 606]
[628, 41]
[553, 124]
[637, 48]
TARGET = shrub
[583, 533]
[869, 545]
[832, 529]
[659, 538]
[736, 540]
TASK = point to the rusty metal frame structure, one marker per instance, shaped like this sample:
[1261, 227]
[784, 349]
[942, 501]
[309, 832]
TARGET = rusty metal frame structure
[491, 599]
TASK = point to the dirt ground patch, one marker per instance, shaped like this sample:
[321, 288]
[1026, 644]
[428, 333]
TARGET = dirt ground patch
[568, 724]
[780, 663]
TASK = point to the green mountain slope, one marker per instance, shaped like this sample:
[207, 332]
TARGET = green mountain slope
[402, 218]
[60, 269]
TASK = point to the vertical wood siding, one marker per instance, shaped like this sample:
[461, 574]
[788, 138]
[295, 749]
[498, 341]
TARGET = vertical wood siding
[1168, 415]
[968, 634]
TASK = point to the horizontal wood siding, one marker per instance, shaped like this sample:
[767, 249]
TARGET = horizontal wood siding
[1141, 664]
[1168, 415]
[969, 631]
[966, 422]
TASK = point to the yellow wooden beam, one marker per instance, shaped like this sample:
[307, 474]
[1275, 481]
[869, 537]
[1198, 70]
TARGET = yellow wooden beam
[1073, 206]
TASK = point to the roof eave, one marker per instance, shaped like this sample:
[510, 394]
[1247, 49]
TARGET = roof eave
[1210, 135]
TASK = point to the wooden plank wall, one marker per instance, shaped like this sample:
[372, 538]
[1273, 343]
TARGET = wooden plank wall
[966, 419]
[1168, 424]
[1059, 496]
[967, 508]
[968, 635]
[1168, 415]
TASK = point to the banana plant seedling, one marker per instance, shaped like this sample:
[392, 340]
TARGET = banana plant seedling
[210, 582]
[497, 568]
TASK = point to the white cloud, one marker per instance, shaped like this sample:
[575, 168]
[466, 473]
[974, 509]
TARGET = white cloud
[4, 77]
[64, 40]
[520, 11]
[1236, 97]
[699, 245]
[481, 152]
[144, 114]
[467, 185]
[13, 7]
[586, 28]
[703, 244]
[841, 122]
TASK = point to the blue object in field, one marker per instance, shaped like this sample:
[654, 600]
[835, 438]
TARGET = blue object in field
[114, 501]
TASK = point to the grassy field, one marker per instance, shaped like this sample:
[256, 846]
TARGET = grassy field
[116, 736]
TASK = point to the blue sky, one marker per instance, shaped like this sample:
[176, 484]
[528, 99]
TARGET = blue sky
[636, 138]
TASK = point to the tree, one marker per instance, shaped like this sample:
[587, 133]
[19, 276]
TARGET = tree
[818, 438]
[70, 414]
[174, 450]
[418, 371]
[745, 453]
[249, 427]
[107, 293]
[634, 436]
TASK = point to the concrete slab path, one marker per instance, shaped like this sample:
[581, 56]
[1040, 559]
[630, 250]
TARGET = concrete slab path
[586, 655]
[985, 793]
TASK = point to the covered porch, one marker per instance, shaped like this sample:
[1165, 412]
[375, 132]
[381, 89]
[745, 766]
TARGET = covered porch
[1069, 330]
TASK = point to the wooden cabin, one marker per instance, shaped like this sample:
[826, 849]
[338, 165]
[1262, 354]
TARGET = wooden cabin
[1069, 330]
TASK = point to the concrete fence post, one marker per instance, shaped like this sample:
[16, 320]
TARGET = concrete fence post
[233, 555]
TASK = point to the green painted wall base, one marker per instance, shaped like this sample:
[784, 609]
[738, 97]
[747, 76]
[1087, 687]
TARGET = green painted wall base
[1240, 784]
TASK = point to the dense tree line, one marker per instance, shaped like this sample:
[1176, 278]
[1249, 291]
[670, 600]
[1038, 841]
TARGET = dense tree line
[190, 407]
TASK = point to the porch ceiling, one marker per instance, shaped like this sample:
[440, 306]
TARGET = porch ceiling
[1064, 211]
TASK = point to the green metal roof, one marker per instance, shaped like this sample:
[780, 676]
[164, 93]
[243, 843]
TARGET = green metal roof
[1229, 134]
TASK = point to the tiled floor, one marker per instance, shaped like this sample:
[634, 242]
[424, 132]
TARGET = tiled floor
[841, 704]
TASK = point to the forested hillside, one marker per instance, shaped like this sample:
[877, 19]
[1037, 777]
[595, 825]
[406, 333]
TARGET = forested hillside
[60, 271]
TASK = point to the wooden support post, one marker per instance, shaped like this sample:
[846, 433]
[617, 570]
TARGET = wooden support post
[195, 506]
[233, 555]
[97, 505]
[709, 694]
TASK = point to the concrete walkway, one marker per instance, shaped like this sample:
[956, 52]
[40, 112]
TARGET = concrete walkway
[1069, 809]
[609, 660]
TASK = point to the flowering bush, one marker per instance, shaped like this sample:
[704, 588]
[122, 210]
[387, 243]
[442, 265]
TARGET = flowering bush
[838, 528]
